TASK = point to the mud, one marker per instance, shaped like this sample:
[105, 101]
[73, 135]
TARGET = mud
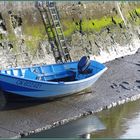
[119, 84]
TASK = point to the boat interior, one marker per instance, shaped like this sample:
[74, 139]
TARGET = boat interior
[56, 73]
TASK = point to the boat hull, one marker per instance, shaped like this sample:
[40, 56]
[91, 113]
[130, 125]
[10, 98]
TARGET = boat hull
[42, 89]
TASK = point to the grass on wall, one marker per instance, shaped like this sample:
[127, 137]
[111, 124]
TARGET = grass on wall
[36, 31]
[34, 35]
[32, 45]
[89, 25]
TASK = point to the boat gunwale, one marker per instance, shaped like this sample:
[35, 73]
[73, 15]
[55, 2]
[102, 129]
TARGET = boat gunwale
[57, 83]
[34, 66]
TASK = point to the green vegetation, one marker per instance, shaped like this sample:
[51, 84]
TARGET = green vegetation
[138, 10]
[137, 22]
[69, 27]
[1, 38]
[34, 34]
[89, 25]
[12, 37]
[96, 24]
[32, 45]
[36, 31]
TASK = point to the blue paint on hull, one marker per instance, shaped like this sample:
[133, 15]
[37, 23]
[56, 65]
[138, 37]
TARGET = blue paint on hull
[41, 84]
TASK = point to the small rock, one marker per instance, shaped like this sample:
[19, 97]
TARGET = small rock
[137, 64]
[124, 87]
[138, 81]
[125, 82]
[112, 86]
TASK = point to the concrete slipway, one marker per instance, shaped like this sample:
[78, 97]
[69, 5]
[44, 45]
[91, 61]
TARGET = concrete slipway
[119, 84]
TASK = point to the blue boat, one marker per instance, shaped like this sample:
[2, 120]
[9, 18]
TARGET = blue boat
[46, 81]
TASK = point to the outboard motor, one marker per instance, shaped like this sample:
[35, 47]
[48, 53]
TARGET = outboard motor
[83, 64]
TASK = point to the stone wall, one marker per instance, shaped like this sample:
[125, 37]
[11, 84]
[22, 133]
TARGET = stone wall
[23, 40]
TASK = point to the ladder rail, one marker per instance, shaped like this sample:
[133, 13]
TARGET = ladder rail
[54, 41]
[61, 32]
[53, 27]
[61, 50]
[43, 11]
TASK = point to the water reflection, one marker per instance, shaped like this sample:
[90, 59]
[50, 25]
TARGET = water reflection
[121, 122]
[133, 128]
[78, 128]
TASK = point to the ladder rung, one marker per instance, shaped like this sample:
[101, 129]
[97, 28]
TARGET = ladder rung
[51, 8]
[60, 34]
[54, 15]
[56, 24]
[57, 56]
[58, 27]
[56, 20]
[64, 47]
[66, 54]
[62, 40]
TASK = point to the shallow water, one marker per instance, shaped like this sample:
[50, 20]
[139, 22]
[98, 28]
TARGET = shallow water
[119, 122]
[74, 129]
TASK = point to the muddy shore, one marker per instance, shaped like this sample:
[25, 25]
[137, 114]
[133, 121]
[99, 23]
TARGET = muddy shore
[119, 84]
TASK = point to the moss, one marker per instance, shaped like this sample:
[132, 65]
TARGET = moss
[12, 37]
[32, 45]
[34, 34]
[133, 13]
[97, 24]
[1, 39]
[88, 25]
[138, 10]
[138, 22]
[68, 27]
[36, 31]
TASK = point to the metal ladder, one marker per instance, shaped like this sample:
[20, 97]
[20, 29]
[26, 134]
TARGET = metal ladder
[49, 14]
